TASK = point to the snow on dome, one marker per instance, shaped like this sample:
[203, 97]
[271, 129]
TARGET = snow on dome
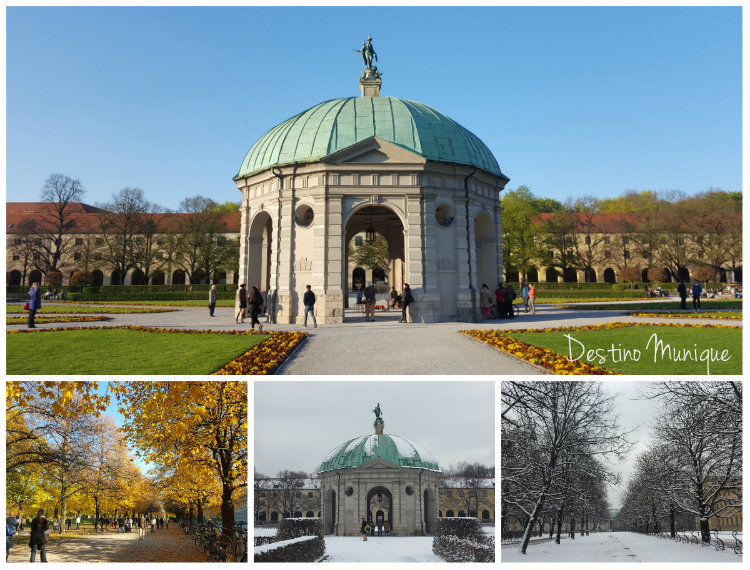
[392, 448]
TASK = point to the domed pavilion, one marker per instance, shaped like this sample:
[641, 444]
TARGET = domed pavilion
[372, 166]
[387, 479]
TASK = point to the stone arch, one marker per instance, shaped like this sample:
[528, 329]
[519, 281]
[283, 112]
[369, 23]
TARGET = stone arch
[449, 513]
[137, 278]
[35, 277]
[551, 275]
[259, 251]
[178, 277]
[97, 278]
[388, 223]
[485, 515]
[329, 512]
[274, 516]
[683, 274]
[115, 278]
[430, 510]
[609, 275]
[589, 275]
[309, 514]
[644, 275]
[261, 517]
[570, 275]
[485, 248]
[158, 278]
[358, 277]
[379, 498]
[532, 276]
[14, 278]
[297, 514]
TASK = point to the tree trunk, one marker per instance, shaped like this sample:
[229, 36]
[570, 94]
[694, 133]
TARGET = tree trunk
[199, 504]
[559, 524]
[672, 531]
[705, 530]
[227, 510]
[572, 527]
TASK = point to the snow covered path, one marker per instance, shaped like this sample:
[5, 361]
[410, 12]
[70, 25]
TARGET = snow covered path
[616, 547]
[380, 549]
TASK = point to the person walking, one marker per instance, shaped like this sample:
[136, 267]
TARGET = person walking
[525, 296]
[211, 300]
[363, 530]
[10, 530]
[142, 527]
[394, 297]
[38, 536]
[255, 302]
[682, 292]
[406, 300]
[78, 522]
[697, 290]
[370, 302]
[35, 303]
[240, 304]
[309, 302]
[153, 523]
[532, 298]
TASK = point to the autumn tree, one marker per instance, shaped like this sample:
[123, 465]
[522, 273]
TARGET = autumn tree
[205, 423]
[373, 255]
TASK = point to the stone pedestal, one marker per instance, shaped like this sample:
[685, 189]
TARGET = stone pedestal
[370, 87]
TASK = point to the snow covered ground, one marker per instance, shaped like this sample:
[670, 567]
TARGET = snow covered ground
[380, 549]
[616, 547]
[262, 531]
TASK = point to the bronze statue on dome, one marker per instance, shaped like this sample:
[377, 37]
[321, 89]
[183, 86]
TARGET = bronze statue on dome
[368, 53]
[378, 412]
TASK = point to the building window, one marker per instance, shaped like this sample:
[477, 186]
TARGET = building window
[484, 493]
[588, 240]
[449, 494]
[625, 241]
[607, 254]
[99, 242]
[77, 256]
[606, 240]
[79, 241]
[358, 240]
[17, 241]
[627, 254]
[299, 495]
[37, 256]
[681, 241]
[309, 495]
[16, 257]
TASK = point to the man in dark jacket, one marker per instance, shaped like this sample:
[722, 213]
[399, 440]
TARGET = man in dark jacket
[406, 300]
[212, 301]
[510, 294]
[370, 302]
[682, 291]
[38, 536]
[309, 302]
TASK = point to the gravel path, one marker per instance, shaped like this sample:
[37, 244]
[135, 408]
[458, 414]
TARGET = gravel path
[165, 545]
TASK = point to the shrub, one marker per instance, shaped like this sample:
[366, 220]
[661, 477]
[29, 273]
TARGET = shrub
[300, 549]
[81, 277]
[90, 290]
[295, 527]
[461, 539]
[75, 296]
[704, 273]
[630, 274]
[53, 278]
[657, 274]
[619, 287]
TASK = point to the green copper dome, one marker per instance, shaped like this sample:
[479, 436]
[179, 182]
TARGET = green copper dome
[365, 448]
[335, 125]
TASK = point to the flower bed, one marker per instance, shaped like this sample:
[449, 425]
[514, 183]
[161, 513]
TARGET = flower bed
[551, 360]
[266, 357]
[55, 319]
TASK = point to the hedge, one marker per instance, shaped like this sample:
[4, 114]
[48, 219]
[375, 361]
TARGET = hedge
[300, 549]
[461, 539]
[296, 527]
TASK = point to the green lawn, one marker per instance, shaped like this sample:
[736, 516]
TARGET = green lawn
[637, 338]
[121, 351]
[79, 309]
[185, 302]
[654, 305]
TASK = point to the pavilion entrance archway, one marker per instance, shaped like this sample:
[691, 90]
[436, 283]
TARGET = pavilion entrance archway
[380, 506]
[382, 222]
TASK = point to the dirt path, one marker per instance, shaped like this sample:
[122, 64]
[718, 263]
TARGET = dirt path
[166, 545]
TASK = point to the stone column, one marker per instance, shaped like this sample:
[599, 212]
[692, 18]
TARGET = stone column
[329, 251]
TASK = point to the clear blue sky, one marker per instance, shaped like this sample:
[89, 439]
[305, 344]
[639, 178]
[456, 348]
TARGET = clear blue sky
[119, 419]
[571, 101]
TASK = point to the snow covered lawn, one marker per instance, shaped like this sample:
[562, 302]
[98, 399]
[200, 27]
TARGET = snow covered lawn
[616, 547]
[380, 549]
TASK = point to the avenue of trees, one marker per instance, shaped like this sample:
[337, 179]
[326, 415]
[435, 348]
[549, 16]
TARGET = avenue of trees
[692, 469]
[558, 442]
[131, 233]
[660, 231]
[64, 455]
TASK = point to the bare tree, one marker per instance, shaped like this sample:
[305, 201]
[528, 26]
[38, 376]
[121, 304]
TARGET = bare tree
[562, 420]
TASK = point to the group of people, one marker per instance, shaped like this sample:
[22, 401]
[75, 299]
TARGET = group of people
[367, 295]
[500, 305]
[696, 290]
[381, 528]
[55, 295]
[245, 302]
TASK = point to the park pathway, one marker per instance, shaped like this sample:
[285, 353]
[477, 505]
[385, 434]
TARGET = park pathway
[165, 545]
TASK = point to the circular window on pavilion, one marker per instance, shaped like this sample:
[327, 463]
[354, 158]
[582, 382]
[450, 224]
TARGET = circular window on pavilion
[409, 490]
[444, 215]
[349, 491]
[304, 216]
